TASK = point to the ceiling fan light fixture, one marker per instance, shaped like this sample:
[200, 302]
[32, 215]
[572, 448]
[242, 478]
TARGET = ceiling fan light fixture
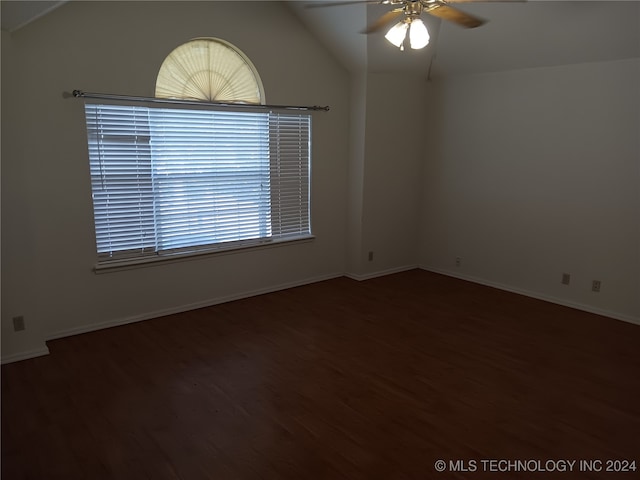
[397, 33]
[418, 34]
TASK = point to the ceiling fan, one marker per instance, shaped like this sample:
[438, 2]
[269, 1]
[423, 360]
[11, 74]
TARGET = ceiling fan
[411, 27]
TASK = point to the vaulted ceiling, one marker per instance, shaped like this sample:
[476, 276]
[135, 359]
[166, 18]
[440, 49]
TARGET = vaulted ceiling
[16, 14]
[517, 35]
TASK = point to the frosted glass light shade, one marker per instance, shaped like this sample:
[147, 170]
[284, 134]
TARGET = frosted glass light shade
[397, 33]
[209, 69]
[418, 34]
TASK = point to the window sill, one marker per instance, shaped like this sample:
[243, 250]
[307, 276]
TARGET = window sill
[135, 263]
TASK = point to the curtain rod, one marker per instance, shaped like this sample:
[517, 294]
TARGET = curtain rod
[109, 96]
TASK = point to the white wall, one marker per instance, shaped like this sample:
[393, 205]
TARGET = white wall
[17, 238]
[48, 246]
[357, 137]
[387, 138]
[536, 172]
[394, 150]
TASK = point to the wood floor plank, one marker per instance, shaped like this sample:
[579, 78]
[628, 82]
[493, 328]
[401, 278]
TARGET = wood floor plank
[335, 380]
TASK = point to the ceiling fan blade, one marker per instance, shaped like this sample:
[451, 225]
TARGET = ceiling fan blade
[454, 15]
[338, 4]
[383, 21]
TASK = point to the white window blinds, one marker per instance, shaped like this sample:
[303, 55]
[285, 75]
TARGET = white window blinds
[173, 180]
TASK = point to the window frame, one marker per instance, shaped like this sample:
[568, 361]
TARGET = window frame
[125, 262]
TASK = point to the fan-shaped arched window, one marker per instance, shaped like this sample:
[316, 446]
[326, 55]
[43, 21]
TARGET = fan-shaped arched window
[209, 69]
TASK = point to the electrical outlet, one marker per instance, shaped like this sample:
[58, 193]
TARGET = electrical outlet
[371, 256]
[566, 279]
[18, 324]
[458, 262]
[595, 286]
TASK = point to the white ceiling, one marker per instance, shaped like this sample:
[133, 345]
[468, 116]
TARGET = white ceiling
[518, 35]
[15, 14]
[541, 33]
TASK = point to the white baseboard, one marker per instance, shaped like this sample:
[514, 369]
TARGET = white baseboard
[184, 308]
[538, 296]
[359, 277]
[380, 273]
[16, 357]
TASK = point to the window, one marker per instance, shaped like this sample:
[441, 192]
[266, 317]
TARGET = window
[173, 179]
[209, 69]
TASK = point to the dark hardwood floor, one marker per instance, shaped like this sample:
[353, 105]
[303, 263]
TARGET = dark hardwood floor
[335, 380]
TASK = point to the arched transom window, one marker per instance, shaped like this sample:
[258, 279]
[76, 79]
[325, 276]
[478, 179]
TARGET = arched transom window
[209, 69]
